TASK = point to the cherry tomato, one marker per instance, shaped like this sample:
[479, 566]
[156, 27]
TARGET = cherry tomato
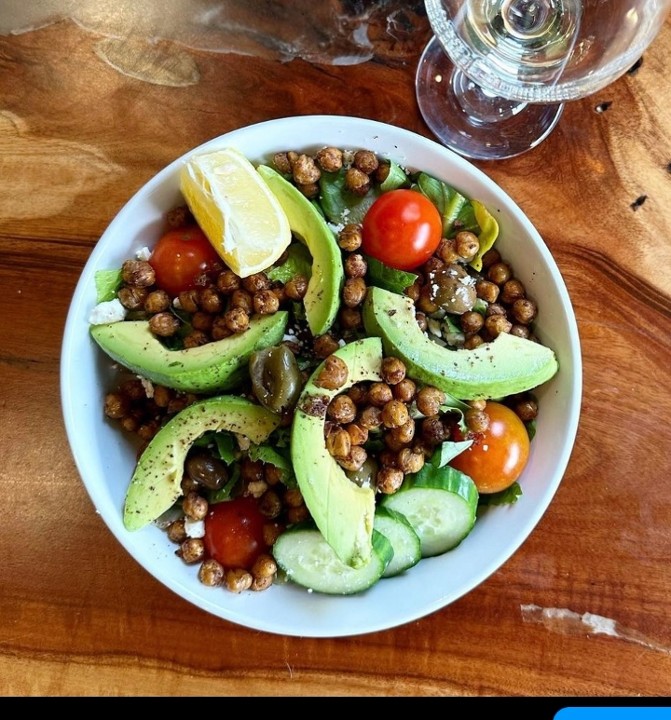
[180, 257]
[234, 532]
[497, 456]
[402, 229]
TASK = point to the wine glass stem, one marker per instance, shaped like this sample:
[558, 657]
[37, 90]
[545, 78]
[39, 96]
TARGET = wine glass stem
[480, 105]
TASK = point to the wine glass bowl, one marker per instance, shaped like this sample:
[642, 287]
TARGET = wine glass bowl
[492, 81]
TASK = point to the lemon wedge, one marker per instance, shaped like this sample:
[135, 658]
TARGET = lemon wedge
[237, 211]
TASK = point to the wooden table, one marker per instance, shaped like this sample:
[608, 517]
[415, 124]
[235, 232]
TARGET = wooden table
[89, 112]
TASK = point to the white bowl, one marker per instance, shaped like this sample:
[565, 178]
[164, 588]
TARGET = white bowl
[105, 460]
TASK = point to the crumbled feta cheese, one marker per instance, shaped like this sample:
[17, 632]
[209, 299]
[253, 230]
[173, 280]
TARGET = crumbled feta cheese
[144, 253]
[336, 228]
[434, 327]
[148, 386]
[107, 312]
[194, 528]
[177, 304]
[341, 343]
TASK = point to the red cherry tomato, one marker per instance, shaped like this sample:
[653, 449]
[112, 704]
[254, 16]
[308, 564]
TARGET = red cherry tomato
[402, 229]
[497, 456]
[181, 257]
[234, 532]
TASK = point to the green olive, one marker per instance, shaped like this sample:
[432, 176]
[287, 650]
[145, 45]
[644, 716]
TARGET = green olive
[452, 289]
[276, 378]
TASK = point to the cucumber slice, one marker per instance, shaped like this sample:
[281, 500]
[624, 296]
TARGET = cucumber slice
[440, 504]
[308, 560]
[405, 541]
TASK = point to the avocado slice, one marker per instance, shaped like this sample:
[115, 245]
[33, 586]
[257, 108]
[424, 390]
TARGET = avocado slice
[343, 511]
[156, 482]
[507, 365]
[217, 366]
[322, 299]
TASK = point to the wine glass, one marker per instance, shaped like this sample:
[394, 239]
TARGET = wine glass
[492, 80]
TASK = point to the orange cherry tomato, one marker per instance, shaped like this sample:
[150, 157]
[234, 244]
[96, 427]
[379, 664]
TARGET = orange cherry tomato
[497, 456]
[234, 532]
[402, 229]
[181, 258]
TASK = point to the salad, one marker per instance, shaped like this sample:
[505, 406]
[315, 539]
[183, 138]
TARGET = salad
[333, 414]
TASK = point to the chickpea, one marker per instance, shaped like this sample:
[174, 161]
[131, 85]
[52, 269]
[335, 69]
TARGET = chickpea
[342, 409]
[389, 480]
[138, 273]
[354, 292]
[395, 414]
[472, 322]
[405, 390]
[410, 461]
[178, 217]
[497, 324]
[296, 287]
[238, 580]
[403, 434]
[370, 417]
[433, 430]
[524, 311]
[211, 573]
[236, 320]
[382, 172]
[270, 504]
[227, 282]
[358, 434]
[305, 170]
[116, 405]
[429, 399]
[192, 550]
[243, 300]
[310, 190]
[355, 265]
[339, 443]
[334, 373]
[282, 163]
[132, 298]
[526, 408]
[325, 345]
[476, 420]
[350, 237]
[499, 273]
[194, 506]
[356, 181]
[358, 393]
[255, 282]
[366, 161]
[467, 245]
[487, 290]
[202, 320]
[354, 460]
[473, 342]
[512, 290]
[393, 370]
[447, 251]
[350, 318]
[329, 159]
[164, 324]
[520, 331]
[491, 257]
[220, 329]
[379, 394]
[176, 531]
[265, 302]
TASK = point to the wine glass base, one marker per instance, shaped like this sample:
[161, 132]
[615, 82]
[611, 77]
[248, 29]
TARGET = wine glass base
[472, 122]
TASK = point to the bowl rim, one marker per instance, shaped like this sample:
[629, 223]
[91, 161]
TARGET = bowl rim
[79, 307]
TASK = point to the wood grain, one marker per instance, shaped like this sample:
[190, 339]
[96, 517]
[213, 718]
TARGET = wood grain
[80, 617]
